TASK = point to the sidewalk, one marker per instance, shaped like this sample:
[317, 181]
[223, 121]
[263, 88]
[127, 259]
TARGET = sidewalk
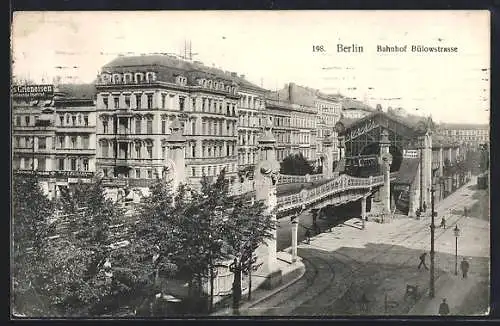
[291, 272]
[456, 291]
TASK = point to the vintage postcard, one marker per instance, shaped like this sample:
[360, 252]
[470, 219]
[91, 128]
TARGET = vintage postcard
[250, 163]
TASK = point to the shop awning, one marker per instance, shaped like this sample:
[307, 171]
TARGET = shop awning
[407, 171]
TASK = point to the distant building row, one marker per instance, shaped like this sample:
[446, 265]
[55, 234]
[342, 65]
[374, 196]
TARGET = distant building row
[119, 124]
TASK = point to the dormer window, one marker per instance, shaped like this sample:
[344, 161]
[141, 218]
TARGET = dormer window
[127, 78]
[139, 77]
[117, 79]
[150, 76]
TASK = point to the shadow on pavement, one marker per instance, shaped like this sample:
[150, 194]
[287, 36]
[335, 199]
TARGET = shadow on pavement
[379, 279]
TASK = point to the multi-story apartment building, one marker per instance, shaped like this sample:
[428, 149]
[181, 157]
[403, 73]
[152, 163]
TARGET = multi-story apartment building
[466, 134]
[138, 99]
[250, 109]
[294, 120]
[56, 136]
[329, 110]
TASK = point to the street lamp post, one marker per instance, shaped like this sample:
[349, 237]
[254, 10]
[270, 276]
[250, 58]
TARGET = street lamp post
[433, 215]
[295, 226]
[456, 230]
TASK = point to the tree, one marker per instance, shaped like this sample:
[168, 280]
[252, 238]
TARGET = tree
[84, 274]
[296, 164]
[31, 211]
[247, 228]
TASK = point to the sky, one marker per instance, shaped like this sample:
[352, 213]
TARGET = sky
[272, 48]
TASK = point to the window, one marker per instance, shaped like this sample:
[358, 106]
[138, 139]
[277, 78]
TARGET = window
[203, 171]
[73, 141]
[204, 127]
[138, 125]
[85, 163]
[150, 151]
[193, 128]
[73, 164]
[127, 101]
[105, 101]
[150, 174]
[220, 129]
[137, 173]
[42, 143]
[86, 120]
[163, 152]
[164, 100]
[27, 120]
[16, 142]
[181, 103]
[105, 126]
[79, 120]
[193, 149]
[203, 104]
[138, 150]
[73, 119]
[60, 164]
[149, 126]
[85, 141]
[18, 121]
[139, 100]
[22, 143]
[105, 149]
[150, 101]
[209, 151]
[193, 104]
[116, 102]
[163, 126]
[193, 171]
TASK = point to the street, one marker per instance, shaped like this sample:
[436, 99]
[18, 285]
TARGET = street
[354, 271]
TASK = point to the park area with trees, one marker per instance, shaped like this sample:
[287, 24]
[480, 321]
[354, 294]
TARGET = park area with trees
[82, 255]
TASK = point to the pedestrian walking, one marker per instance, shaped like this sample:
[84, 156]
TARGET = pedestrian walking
[464, 266]
[444, 309]
[308, 236]
[422, 261]
[443, 223]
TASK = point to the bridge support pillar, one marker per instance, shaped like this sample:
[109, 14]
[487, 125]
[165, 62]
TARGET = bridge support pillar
[363, 210]
[266, 176]
[386, 161]
[295, 227]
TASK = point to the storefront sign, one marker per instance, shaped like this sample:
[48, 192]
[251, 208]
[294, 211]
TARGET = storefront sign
[32, 91]
[57, 174]
[361, 130]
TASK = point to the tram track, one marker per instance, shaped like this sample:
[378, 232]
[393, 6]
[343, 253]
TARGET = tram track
[324, 277]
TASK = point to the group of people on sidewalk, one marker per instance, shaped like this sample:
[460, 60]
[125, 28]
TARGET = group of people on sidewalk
[464, 264]
[444, 309]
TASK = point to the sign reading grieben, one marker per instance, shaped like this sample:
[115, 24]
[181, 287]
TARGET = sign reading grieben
[33, 91]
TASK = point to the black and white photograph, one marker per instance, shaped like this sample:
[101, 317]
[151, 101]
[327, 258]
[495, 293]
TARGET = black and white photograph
[227, 164]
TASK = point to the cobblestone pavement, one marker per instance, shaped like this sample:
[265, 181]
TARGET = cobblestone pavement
[350, 271]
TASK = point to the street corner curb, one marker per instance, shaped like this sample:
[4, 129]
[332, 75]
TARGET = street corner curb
[302, 271]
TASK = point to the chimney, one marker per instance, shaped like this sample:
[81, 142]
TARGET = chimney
[233, 74]
[291, 88]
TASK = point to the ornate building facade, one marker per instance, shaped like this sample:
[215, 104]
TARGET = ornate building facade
[56, 136]
[139, 98]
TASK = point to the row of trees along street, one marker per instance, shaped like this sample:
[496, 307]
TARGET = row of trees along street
[67, 259]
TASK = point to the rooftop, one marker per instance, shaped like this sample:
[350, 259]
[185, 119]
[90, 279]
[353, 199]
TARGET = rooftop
[171, 62]
[462, 126]
[75, 91]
